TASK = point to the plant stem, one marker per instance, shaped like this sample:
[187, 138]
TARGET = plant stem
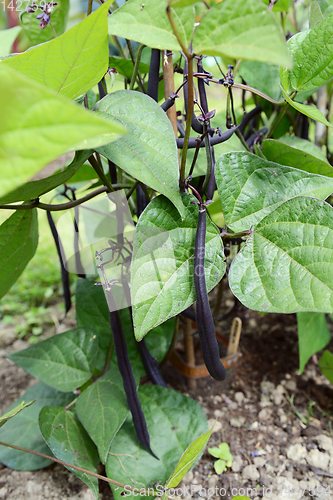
[209, 160]
[53, 30]
[99, 171]
[108, 359]
[71, 466]
[139, 78]
[90, 2]
[136, 66]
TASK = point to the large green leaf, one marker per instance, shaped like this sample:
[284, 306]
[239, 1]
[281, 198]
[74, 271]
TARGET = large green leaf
[313, 335]
[326, 365]
[18, 243]
[37, 126]
[65, 361]
[149, 151]
[251, 187]
[11, 413]
[147, 22]
[283, 154]
[69, 442]
[241, 30]
[102, 409]
[173, 421]
[162, 265]
[72, 63]
[286, 265]
[188, 459]
[313, 60]
[92, 309]
[304, 145]
[315, 14]
[23, 430]
[7, 38]
[34, 189]
[262, 76]
[307, 109]
[31, 27]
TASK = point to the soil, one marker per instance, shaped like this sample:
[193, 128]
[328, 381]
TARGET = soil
[282, 446]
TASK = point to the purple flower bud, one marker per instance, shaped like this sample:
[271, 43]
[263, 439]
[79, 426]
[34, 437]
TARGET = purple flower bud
[42, 24]
[31, 8]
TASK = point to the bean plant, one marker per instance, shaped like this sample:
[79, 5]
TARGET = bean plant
[164, 197]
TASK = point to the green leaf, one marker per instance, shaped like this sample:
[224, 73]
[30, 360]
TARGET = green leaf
[316, 15]
[69, 442]
[125, 66]
[220, 466]
[286, 265]
[92, 309]
[72, 63]
[188, 459]
[307, 110]
[250, 187]
[23, 430]
[33, 189]
[18, 243]
[304, 145]
[102, 409]
[64, 361]
[262, 76]
[326, 365]
[7, 38]
[283, 154]
[37, 126]
[223, 451]
[147, 22]
[149, 151]
[241, 30]
[326, 6]
[30, 23]
[313, 335]
[182, 3]
[162, 263]
[10, 414]
[313, 59]
[173, 421]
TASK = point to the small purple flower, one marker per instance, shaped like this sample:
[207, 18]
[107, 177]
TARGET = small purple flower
[44, 16]
[31, 8]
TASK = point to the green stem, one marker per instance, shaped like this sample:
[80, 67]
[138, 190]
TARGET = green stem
[53, 30]
[176, 33]
[139, 78]
[132, 189]
[90, 2]
[136, 66]
[99, 171]
[241, 138]
[61, 206]
[108, 359]
[71, 466]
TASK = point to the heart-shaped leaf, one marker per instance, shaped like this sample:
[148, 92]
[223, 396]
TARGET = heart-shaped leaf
[250, 187]
[69, 442]
[72, 63]
[147, 23]
[37, 126]
[241, 30]
[286, 265]
[64, 361]
[162, 264]
[149, 151]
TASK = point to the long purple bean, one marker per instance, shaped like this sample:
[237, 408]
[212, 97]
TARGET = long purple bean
[205, 323]
[126, 373]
